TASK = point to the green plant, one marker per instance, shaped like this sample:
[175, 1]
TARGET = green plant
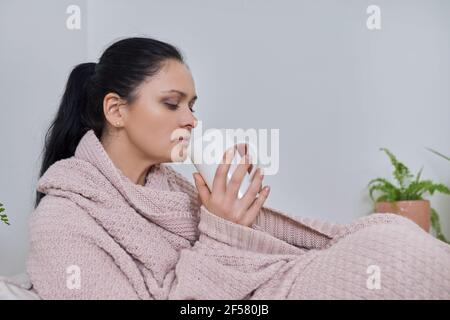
[408, 188]
[3, 216]
[439, 154]
[445, 157]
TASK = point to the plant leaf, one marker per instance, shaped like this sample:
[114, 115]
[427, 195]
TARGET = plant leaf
[436, 225]
[3, 217]
[419, 174]
[416, 189]
[389, 191]
[401, 172]
[439, 154]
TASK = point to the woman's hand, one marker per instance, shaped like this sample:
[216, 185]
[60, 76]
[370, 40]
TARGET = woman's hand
[223, 199]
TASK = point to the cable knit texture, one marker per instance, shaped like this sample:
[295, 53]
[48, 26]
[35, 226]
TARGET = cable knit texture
[158, 242]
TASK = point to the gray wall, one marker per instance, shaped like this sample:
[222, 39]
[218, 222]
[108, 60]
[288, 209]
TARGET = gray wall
[37, 52]
[336, 90]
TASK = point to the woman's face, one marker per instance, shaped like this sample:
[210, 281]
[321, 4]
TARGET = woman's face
[162, 113]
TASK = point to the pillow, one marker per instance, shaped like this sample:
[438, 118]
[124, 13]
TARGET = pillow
[17, 287]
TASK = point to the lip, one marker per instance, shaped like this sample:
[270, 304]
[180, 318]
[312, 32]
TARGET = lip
[183, 139]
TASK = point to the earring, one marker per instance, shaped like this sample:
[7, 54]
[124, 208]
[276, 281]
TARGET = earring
[117, 124]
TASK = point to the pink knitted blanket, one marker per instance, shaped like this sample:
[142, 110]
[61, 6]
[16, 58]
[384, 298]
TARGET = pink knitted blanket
[97, 235]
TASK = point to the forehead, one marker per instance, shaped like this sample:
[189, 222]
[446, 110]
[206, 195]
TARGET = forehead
[173, 75]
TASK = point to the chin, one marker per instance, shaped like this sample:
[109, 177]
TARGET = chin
[176, 158]
[179, 159]
[178, 154]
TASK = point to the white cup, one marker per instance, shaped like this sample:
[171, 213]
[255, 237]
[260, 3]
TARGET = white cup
[206, 153]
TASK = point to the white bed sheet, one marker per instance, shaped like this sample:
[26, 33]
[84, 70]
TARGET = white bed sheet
[17, 287]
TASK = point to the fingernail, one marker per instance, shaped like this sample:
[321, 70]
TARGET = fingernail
[267, 188]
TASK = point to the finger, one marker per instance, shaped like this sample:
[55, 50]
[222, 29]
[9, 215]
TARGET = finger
[253, 189]
[202, 187]
[253, 211]
[243, 149]
[236, 179]
[220, 177]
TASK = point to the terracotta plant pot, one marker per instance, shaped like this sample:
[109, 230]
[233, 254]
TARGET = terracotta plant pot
[418, 211]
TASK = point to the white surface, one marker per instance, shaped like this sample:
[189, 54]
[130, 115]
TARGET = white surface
[17, 288]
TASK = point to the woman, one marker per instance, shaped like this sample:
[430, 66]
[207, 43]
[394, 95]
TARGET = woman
[113, 222]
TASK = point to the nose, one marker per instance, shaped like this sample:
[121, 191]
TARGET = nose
[189, 121]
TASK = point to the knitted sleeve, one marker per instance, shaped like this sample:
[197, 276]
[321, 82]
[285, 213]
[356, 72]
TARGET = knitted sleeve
[301, 232]
[242, 237]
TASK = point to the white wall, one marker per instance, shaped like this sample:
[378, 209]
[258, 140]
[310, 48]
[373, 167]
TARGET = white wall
[37, 52]
[336, 90]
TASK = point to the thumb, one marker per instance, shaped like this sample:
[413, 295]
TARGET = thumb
[203, 190]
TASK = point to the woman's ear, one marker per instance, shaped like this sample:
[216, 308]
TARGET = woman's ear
[112, 103]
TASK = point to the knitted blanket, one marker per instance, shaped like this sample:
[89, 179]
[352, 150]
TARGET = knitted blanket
[97, 235]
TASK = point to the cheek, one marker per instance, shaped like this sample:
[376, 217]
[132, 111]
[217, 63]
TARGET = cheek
[149, 130]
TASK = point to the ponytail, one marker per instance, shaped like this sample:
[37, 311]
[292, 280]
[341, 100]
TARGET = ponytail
[69, 124]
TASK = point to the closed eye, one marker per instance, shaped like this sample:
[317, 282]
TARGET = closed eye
[175, 107]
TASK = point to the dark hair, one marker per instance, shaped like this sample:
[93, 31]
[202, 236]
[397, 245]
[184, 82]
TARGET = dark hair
[122, 67]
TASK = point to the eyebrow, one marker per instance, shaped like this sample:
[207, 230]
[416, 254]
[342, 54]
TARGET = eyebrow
[183, 94]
